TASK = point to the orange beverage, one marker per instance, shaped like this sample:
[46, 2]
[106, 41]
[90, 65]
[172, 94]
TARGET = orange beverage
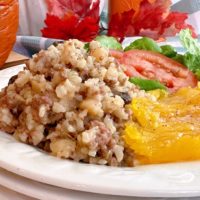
[120, 6]
[9, 16]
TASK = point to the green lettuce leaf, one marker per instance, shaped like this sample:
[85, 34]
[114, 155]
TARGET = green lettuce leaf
[190, 43]
[191, 59]
[192, 62]
[197, 73]
[168, 51]
[109, 42]
[179, 58]
[146, 84]
[144, 44]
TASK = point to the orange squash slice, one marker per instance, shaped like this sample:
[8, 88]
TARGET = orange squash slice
[167, 129]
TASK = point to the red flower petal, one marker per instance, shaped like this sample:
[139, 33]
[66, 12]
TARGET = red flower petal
[120, 24]
[57, 7]
[150, 15]
[72, 19]
[87, 29]
[153, 20]
[71, 27]
[82, 8]
[174, 22]
[59, 28]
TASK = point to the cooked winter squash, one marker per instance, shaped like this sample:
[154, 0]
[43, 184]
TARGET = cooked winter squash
[166, 129]
[9, 16]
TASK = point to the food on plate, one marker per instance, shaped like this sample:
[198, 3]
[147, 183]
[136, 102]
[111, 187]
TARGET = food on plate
[97, 103]
[191, 59]
[155, 66]
[8, 27]
[165, 129]
[71, 102]
[147, 85]
[145, 59]
[109, 42]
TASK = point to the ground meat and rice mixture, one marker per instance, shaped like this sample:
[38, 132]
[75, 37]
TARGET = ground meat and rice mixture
[71, 102]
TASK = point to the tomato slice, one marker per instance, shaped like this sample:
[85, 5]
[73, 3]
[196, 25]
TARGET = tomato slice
[155, 66]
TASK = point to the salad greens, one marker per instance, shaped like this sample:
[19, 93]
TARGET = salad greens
[146, 84]
[168, 51]
[106, 41]
[109, 42]
[151, 45]
[144, 44]
[191, 44]
[192, 61]
[191, 58]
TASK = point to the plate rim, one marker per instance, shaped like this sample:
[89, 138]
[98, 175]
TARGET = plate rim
[82, 184]
[21, 170]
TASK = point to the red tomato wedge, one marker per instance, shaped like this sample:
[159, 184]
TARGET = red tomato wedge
[155, 66]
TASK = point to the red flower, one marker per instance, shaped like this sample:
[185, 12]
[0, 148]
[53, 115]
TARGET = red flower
[153, 20]
[120, 25]
[80, 20]
[82, 8]
[174, 22]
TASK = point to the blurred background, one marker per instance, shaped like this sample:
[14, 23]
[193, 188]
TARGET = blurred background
[33, 13]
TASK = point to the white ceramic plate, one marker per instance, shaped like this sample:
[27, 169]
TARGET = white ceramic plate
[11, 182]
[7, 194]
[42, 191]
[167, 180]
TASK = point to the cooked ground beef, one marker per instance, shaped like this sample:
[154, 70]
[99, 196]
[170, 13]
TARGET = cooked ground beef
[71, 102]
